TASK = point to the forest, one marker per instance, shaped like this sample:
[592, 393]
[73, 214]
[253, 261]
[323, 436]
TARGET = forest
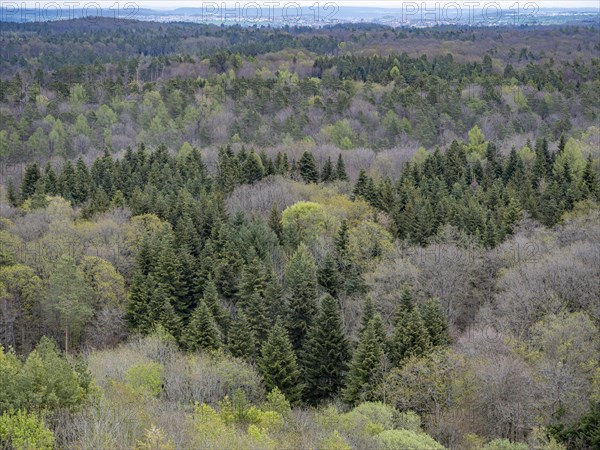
[349, 237]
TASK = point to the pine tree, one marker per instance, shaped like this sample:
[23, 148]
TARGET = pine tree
[308, 168]
[367, 364]
[253, 169]
[278, 364]
[368, 313]
[12, 194]
[328, 276]
[340, 169]
[326, 354]
[241, 341]
[211, 299]
[275, 299]
[435, 322]
[30, 178]
[301, 283]
[82, 183]
[201, 332]
[275, 221]
[342, 241]
[411, 337]
[327, 173]
[257, 311]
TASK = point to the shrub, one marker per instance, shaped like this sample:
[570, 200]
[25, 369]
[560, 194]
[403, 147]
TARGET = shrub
[404, 439]
[146, 379]
[22, 430]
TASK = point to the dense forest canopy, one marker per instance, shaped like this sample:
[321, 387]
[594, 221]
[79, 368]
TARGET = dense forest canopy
[347, 237]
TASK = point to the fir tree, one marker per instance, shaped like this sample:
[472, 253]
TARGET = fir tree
[275, 221]
[278, 364]
[275, 299]
[328, 276]
[366, 366]
[253, 169]
[435, 322]
[327, 174]
[340, 169]
[30, 178]
[211, 299]
[201, 332]
[308, 168]
[411, 337]
[301, 283]
[368, 313]
[326, 354]
[241, 341]
[257, 311]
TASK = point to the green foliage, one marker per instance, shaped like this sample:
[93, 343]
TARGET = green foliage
[278, 364]
[201, 332]
[146, 379]
[301, 284]
[402, 439]
[366, 366]
[326, 353]
[24, 431]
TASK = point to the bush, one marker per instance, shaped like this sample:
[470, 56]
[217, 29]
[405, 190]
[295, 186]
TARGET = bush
[22, 430]
[505, 444]
[146, 379]
[404, 439]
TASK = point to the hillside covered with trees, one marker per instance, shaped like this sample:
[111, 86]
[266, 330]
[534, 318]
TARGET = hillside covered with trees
[348, 237]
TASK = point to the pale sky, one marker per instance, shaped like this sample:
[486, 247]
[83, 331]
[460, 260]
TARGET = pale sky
[164, 4]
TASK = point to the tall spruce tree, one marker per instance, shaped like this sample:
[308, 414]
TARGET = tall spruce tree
[327, 174]
[201, 332]
[366, 366]
[328, 275]
[411, 337]
[326, 354]
[308, 168]
[340, 169]
[301, 283]
[241, 341]
[278, 364]
[435, 322]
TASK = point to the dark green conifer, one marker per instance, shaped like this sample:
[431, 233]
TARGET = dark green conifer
[241, 341]
[301, 283]
[366, 367]
[201, 331]
[278, 364]
[326, 354]
[308, 168]
[340, 169]
[435, 322]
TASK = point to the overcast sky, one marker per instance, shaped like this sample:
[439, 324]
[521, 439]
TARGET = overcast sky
[164, 4]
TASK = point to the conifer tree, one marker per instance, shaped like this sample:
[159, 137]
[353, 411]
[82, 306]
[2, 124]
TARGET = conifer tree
[253, 281]
[257, 312]
[435, 322]
[366, 366]
[327, 174]
[201, 331]
[12, 194]
[82, 183]
[308, 168]
[342, 241]
[301, 283]
[340, 169]
[328, 275]
[211, 299]
[50, 180]
[278, 364]
[275, 221]
[30, 178]
[275, 299]
[241, 341]
[253, 169]
[411, 337]
[326, 354]
[367, 314]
